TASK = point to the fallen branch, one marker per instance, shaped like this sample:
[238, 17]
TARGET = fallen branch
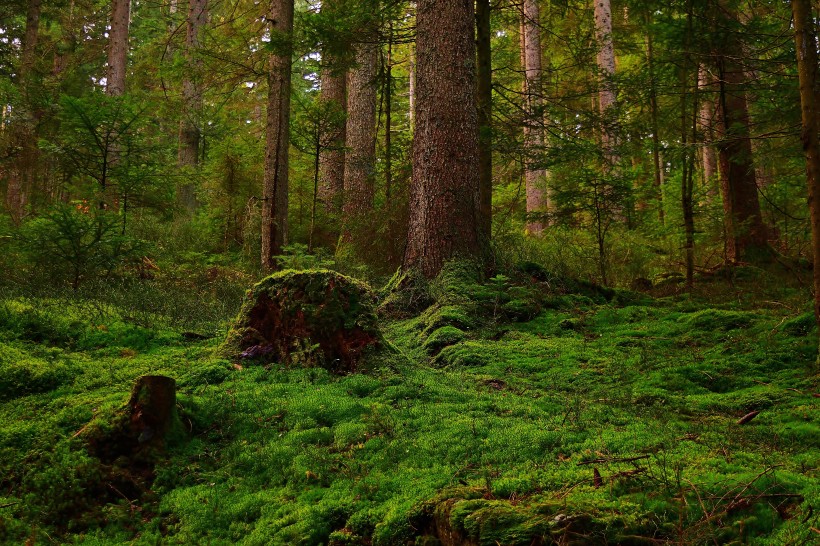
[613, 460]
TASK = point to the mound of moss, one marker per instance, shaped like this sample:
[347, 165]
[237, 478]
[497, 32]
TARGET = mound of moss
[309, 318]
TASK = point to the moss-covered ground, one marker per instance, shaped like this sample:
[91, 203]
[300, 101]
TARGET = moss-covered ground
[506, 416]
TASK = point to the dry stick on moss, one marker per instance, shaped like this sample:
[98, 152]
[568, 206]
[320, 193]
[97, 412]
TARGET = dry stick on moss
[613, 460]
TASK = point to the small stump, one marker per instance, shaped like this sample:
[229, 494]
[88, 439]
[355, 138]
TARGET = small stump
[308, 318]
[152, 408]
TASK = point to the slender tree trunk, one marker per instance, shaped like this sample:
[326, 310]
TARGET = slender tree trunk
[606, 68]
[536, 178]
[411, 94]
[189, 126]
[118, 47]
[444, 198]
[805, 37]
[388, 119]
[707, 121]
[484, 92]
[275, 183]
[360, 164]
[332, 159]
[22, 173]
[656, 138]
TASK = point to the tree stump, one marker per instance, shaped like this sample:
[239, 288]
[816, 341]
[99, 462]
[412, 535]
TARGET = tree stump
[307, 318]
[152, 408]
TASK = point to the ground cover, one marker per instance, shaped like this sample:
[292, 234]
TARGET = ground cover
[513, 411]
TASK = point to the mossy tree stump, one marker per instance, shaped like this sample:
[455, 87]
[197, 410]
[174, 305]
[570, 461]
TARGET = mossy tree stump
[152, 408]
[310, 318]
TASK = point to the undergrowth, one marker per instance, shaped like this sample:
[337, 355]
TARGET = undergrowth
[525, 408]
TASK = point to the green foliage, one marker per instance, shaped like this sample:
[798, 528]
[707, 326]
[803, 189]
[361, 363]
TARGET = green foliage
[442, 337]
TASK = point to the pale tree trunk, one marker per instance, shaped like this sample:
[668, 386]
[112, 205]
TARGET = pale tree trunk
[484, 90]
[745, 232]
[707, 122]
[535, 178]
[606, 69]
[22, 172]
[332, 156]
[444, 193]
[805, 37]
[275, 183]
[118, 47]
[411, 94]
[189, 125]
[360, 163]
[656, 138]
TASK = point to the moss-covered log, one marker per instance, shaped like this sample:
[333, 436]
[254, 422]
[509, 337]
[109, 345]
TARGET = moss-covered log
[309, 318]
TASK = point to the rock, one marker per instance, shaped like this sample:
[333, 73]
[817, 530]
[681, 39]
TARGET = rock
[308, 318]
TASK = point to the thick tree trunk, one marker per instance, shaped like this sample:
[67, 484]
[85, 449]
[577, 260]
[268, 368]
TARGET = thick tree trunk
[360, 164]
[275, 184]
[189, 126]
[484, 91]
[707, 121]
[118, 47]
[745, 232]
[332, 157]
[22, 172]
[805, 37]
[536, 179]
[606, 69]
[444, 193]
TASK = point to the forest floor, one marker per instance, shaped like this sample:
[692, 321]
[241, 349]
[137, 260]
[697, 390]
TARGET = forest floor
[597, 418]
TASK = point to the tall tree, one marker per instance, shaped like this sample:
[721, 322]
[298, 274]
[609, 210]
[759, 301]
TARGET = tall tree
[444, 193]
[484, 92]
[275, 182]
[333, 81]
[745, 232]
[189, 126]
[535, 177]
[805, 38]
[24, 166]
[118, 47]
[606, 69]
[360, 163]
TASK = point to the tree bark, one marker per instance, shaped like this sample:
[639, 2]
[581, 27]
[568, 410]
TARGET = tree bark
[118, 47]
[535, 178]
[275, 183]
[606, 69]
[332, 157]
[805, 38]
[745, 232]
[656, 138]
[444, 193]
[189, 126]
[707, 121]
[360, 164]
[484, 91]
[22, 172]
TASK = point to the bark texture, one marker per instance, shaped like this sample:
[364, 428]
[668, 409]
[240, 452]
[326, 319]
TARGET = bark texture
[484, 89]
[275, 184]
[745, 232]
[189, 127]
[535, 178]
[22, 173]
[606, 66]
[360, 163]
[332, 156]
[707, 122]
[444, 193]
[805, 38]
[118, 47]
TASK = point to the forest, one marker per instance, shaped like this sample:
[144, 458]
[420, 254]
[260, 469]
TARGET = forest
[409, 272]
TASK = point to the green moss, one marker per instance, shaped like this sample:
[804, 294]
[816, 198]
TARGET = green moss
[801, 325]
[443, 337]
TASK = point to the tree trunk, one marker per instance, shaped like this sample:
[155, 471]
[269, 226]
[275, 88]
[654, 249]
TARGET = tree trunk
[152, 409]
[707, 122]
[275, 184]
[189, 126]
[444, 193]
[118, 47]
[360, 164]
[805, 37]
[606, 69]
[745, 232]
[656, 138]
[536, 179]
[22, 172]
[484, 91]
[332, 158]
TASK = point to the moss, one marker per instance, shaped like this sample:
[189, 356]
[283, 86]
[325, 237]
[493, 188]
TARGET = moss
[712, 320]
[21, 374]
[464, 317]
[309, 318]
[406, 294]
[443, 337]
[801, 325]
